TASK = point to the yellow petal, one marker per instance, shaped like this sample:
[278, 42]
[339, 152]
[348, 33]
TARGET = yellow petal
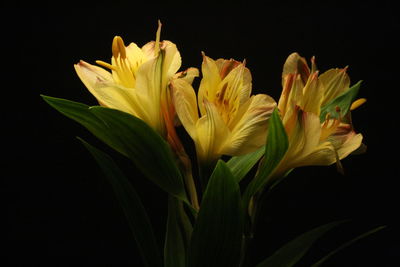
[171, 61]
[312, 95]
[148, 85]
[225, 66]
[211, 134]
[303, 140]
[100, 84]
[90, 74]
[352, 143]
[238, 82]
[187, 75]
[306, 134]
[209, 83]
[335, 82]
[287, 89]
[135, 57]
[295, 64]
[250, 126]
[345, 140]
[184, 99]
[322, 155]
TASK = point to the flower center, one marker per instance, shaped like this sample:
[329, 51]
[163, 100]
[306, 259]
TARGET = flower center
[123, 73]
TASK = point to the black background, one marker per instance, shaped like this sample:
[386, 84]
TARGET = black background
[61, 210]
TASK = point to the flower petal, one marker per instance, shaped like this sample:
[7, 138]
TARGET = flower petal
[100, 84]
[225, 66]
[305, 135]
[209, 83]
[250, 129]
[184, 99]
[135, 57]
[345, 140]
[211, 134]
[148, 85]
[323, 155]
[171, 58]
[187, 75]
[312, 95]
[238, 84]
[295, 64]
[90, 75]
[335, 82]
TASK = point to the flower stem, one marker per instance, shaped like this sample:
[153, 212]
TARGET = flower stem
[191, 188]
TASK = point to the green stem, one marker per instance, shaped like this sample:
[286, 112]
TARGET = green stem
[191, 187]
[256, 203]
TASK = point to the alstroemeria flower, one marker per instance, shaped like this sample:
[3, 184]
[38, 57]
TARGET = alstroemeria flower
[312, 141]
[137, 83]
[231, 122]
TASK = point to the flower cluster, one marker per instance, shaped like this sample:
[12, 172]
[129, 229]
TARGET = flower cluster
[224, 118]
[144, 96]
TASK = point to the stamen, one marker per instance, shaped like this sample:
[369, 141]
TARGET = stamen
[357, 103]
[118, 47]
[106, 65]
[313, 65]
[339, 165]
[158, 34]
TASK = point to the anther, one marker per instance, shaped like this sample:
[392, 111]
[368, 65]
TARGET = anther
[118, 47]
[106, 65]
[357, 103]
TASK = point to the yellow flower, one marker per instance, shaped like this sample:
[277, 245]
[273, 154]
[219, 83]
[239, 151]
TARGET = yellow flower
[231, 122]
[312, 142]
[137, 83]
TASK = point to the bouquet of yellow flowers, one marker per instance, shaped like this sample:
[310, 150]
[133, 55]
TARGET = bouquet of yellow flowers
[143, 97]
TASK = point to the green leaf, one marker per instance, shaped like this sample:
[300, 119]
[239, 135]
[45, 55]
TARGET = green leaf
[292, 252]
[179, 230]
[241, 165]
[275, 149]
[332, 253]
[217, 234]
[340, 106]
[131, 137]
[131, 205]
[80, 113]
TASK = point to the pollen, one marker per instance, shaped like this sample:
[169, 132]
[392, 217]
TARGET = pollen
[118, 47]
[357, 103]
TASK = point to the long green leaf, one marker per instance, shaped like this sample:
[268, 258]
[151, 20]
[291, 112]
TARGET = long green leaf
[292, 252]
[132, 207]
[217, 234]
[275, 149]
[131, 137]
[241, 165]
[345, 245]
[340, 106]
[80, 113]
[179, 230]
[146, 148]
